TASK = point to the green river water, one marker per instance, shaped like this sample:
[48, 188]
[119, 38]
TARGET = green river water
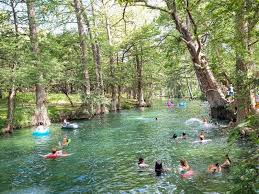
[106, 151]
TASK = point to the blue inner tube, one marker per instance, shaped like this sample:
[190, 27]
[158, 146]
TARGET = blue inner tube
[41, 133]
[182, 104]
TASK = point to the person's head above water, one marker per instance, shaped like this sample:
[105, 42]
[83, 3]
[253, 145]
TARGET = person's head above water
[184, 134]
[227, 157]
[184, 163]
[174, 136]
[41, 123]
[140, 160]
[53, 150]
[156, 118]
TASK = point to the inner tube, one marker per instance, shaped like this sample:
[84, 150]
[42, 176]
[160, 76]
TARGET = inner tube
[182, 104]
[187, 174]
[70, 126]
[41, 133]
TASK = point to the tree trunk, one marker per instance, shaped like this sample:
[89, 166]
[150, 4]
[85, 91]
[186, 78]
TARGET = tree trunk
[141, 102]
[78, 10]
[112, 68]
[100, 107]
[41, 113]
[119, 98]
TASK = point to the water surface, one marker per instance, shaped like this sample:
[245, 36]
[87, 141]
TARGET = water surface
[106, 151]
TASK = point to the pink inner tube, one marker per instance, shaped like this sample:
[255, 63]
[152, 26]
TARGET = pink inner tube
[187, 174]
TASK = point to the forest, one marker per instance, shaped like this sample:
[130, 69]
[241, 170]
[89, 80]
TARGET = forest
[98, 54]
[131, 76]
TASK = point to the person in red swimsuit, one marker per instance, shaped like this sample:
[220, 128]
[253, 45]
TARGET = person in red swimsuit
[55, 154]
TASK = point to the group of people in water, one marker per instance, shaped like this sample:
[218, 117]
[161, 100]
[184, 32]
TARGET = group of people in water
[184, 168]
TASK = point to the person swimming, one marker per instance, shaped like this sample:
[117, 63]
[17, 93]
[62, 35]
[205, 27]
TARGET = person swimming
[214, 168]
[226, 163]
[202, 136]
[184, 136]
[55, 154]
[174, 136]
[184, 167]
[65, 142]
[40, 128]
[141, 163]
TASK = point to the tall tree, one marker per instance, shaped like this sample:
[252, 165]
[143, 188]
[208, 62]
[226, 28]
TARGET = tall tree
[82, 35]
[100, 107]
[111, 59]
[11, 93]
[41, 113]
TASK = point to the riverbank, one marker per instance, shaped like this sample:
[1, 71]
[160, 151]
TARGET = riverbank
[59, 107]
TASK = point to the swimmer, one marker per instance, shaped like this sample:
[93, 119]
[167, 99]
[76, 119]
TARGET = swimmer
[202, 136]
[141, 163]
[55, 154]
[174, 136]
[184, 136]
[156, 118]
[184, 167]
[40, 128]
[65, 122]
[159, 168]
[65, 142]
[227, 163]
[214, 168]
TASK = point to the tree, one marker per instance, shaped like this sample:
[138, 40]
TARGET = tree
[41, 113]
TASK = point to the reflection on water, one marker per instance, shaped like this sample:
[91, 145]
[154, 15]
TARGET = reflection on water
[106, 151]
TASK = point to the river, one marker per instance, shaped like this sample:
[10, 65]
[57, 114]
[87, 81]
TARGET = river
[106, 151]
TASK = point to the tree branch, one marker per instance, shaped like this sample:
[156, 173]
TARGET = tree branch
[151, 6]
[253, 43]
